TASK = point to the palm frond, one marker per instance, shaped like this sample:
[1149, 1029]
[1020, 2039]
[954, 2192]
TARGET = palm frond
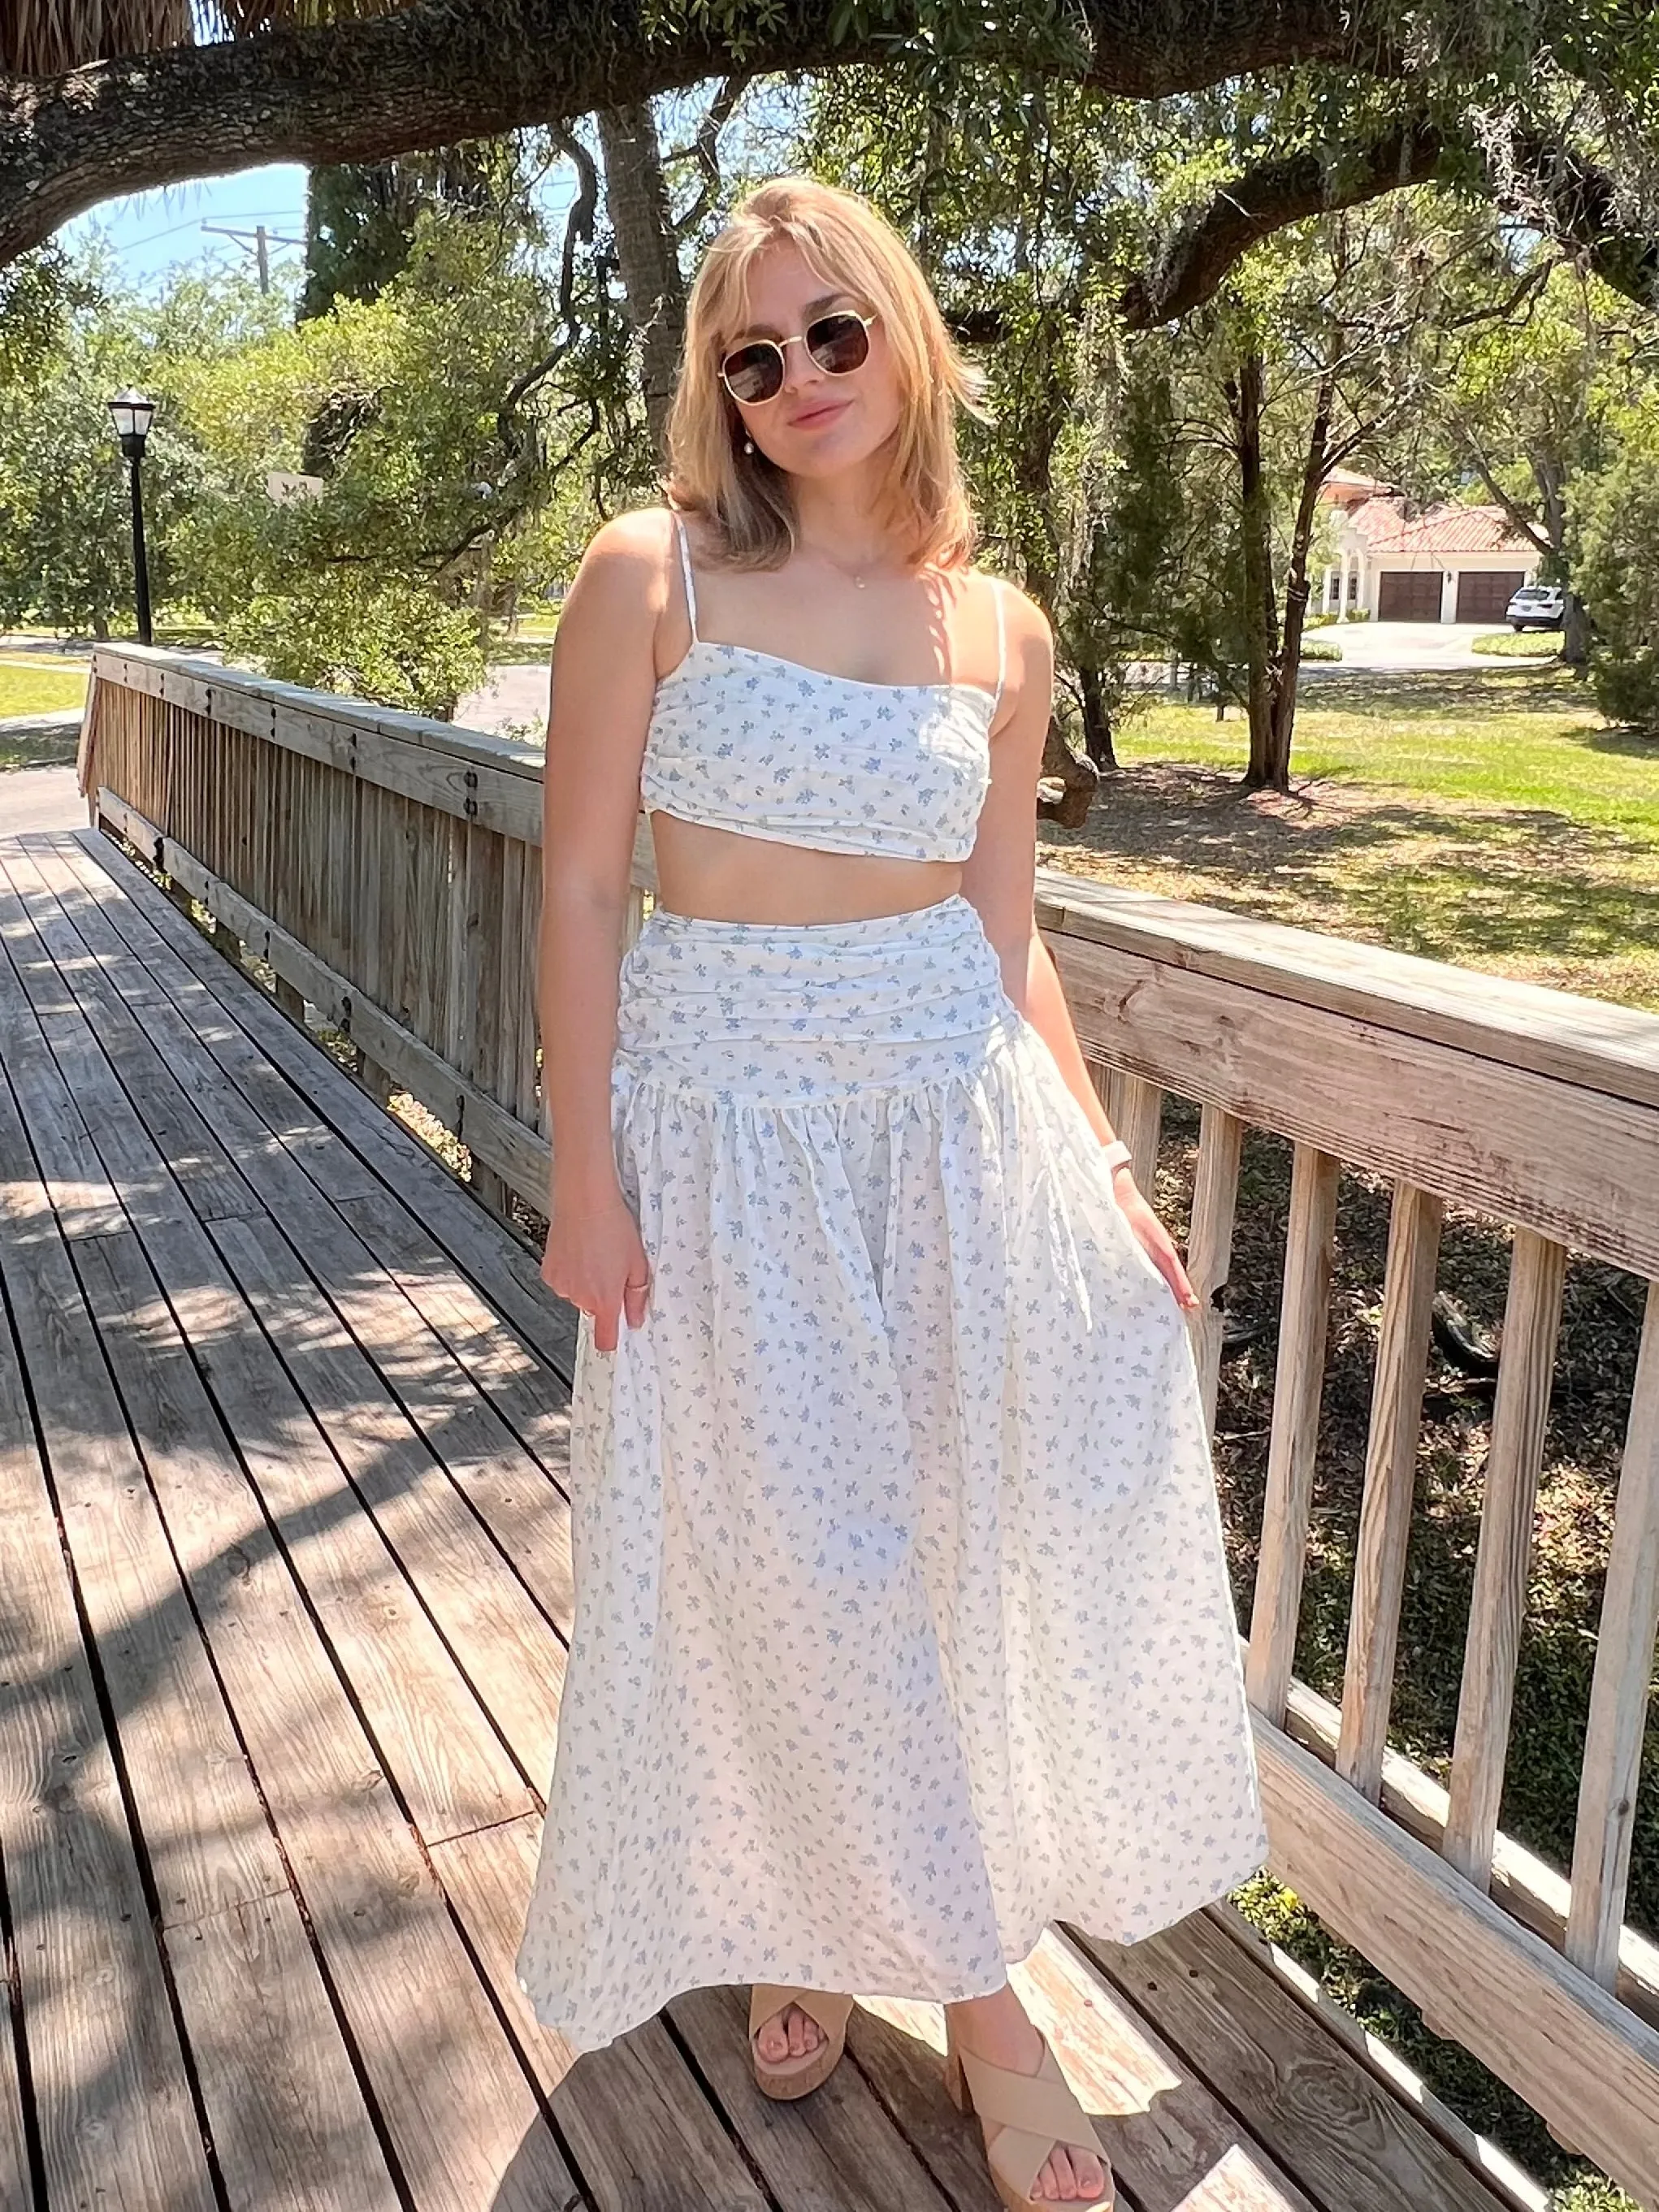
[44, 38]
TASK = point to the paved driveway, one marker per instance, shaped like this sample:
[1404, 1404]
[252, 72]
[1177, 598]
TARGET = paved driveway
[1398, 645]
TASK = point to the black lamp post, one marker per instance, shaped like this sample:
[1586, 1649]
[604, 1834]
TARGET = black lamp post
[132, 414]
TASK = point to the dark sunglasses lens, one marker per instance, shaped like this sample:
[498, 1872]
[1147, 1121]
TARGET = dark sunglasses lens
[839, 345]
[753, 373]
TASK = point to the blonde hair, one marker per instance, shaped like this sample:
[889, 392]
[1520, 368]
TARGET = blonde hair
[745, 499]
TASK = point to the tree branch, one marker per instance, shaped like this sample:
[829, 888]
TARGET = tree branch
[1192, 265]
[438, 71]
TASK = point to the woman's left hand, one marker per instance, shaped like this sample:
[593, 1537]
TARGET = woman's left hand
[1154, 1238]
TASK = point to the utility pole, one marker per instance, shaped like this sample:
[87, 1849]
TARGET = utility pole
[261, 241]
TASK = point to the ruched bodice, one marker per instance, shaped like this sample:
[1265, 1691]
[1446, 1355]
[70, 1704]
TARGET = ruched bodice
[746, 740]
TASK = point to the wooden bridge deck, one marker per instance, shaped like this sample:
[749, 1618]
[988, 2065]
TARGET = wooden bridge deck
[283, 1610]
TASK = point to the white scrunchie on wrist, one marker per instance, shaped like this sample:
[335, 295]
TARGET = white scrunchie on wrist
[1116, 1155]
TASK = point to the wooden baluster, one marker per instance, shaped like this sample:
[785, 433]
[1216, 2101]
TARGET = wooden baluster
[1138, 1119]
[1299, 1385]
[1209, 1248]
[1618, 1693]
[1532, 1316]
[1385, 1512]
[479, 991]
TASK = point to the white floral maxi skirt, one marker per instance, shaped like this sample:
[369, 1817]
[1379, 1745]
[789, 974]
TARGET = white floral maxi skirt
[902, 1621]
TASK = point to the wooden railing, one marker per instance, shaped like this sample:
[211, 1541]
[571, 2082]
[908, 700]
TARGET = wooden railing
[388, 868]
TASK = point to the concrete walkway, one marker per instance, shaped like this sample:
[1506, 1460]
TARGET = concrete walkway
[41, 799]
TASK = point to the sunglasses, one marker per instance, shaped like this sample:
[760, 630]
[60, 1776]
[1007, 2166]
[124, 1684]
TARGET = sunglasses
[838, 344]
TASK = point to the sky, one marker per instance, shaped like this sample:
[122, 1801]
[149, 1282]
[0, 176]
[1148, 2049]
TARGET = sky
[149, 232]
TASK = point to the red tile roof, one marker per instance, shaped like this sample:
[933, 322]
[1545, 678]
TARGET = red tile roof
[1386, 528]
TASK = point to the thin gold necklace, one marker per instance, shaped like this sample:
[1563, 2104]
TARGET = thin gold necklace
[842, 570]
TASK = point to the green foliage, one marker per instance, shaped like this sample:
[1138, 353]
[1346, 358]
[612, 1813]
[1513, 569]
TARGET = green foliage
[1617, 515]
[362, 217]
[66, 517]
[384, 637]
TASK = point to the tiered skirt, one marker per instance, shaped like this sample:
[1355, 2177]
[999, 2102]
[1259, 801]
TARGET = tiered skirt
[901, 1622]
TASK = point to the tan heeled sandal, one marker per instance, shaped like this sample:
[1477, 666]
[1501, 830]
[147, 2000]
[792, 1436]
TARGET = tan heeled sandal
[795, 2076]
[1030, 2113]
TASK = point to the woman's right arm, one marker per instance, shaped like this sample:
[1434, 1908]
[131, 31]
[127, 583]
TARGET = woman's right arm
[603, 684]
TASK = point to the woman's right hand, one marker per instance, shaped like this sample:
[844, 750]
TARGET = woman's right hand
[596, 1258]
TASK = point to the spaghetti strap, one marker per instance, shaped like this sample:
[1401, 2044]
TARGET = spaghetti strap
[685, 570]
[1002, 651]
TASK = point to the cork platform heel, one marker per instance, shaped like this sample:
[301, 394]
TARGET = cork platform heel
[1030, 2113]
[793, 2077]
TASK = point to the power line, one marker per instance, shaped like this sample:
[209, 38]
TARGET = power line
[261, 241]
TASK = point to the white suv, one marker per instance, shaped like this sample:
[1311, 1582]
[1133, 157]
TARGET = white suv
[1537, 607]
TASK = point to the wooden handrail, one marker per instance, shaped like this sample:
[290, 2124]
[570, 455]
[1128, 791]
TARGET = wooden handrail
[388, 869]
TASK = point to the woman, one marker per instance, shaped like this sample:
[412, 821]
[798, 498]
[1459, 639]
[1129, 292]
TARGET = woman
[901, 1623]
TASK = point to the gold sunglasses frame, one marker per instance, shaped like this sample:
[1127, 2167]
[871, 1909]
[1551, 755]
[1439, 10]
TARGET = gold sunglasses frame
[800, 339]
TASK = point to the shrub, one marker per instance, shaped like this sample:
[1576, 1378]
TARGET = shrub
[1618, 573]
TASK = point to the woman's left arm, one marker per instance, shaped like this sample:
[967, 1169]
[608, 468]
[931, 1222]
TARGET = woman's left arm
[999, 878]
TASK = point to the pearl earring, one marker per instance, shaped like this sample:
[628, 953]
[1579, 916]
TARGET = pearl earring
[749, 445]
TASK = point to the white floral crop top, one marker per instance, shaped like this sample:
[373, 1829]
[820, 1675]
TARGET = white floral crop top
[745, 740]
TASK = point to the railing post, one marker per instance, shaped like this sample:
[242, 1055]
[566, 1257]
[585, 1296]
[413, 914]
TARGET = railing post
[1298, 1387]
[1531, 1316]
[1621, 1687]
[1385, 1512]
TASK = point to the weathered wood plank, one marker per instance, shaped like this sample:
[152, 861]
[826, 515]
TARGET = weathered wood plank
[1139, 1121]
[291, 2127]
[1554, 1033]
[1532, 1317]
[77, 1195]
[520, 1155]
[1622, 1684]
[1168, 2134]
[113, 1070]
[643, 2136]
[1586, 2063]
[1298, 1390]
[111, 2102]
[835, 2148]
[258, 1111]
[1390, 1480]
[1530, 1891]
[178, 951]
[389, 1451]
[1210, 1245]
[1477, 2152]
[466, 2132]
[1570, 1164]
[16, 2184]
[466, 1583]
[1325, 2117]
[518, 1486]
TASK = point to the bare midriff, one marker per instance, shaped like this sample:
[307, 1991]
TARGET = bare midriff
[723, 875]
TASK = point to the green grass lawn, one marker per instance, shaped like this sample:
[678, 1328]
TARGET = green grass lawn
[1517, 644]
[39, 686]
[29, 685]
[1487, 816]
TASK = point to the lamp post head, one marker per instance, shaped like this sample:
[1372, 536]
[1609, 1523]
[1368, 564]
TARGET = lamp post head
[132, 414]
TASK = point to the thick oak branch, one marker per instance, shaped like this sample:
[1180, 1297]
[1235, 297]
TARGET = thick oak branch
[438, 71]
[1264, 199]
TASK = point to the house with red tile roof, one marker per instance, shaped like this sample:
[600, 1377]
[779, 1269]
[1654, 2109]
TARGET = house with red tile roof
[1400, 562]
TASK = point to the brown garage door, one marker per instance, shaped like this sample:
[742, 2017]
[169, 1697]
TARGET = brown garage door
[1484, 598]
[1408, 595]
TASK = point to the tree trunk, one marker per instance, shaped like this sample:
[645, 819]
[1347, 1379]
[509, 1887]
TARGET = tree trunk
[1315, 470]
[636, 198]
[1575, 635]
[1096, 722]
[1244, 397]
